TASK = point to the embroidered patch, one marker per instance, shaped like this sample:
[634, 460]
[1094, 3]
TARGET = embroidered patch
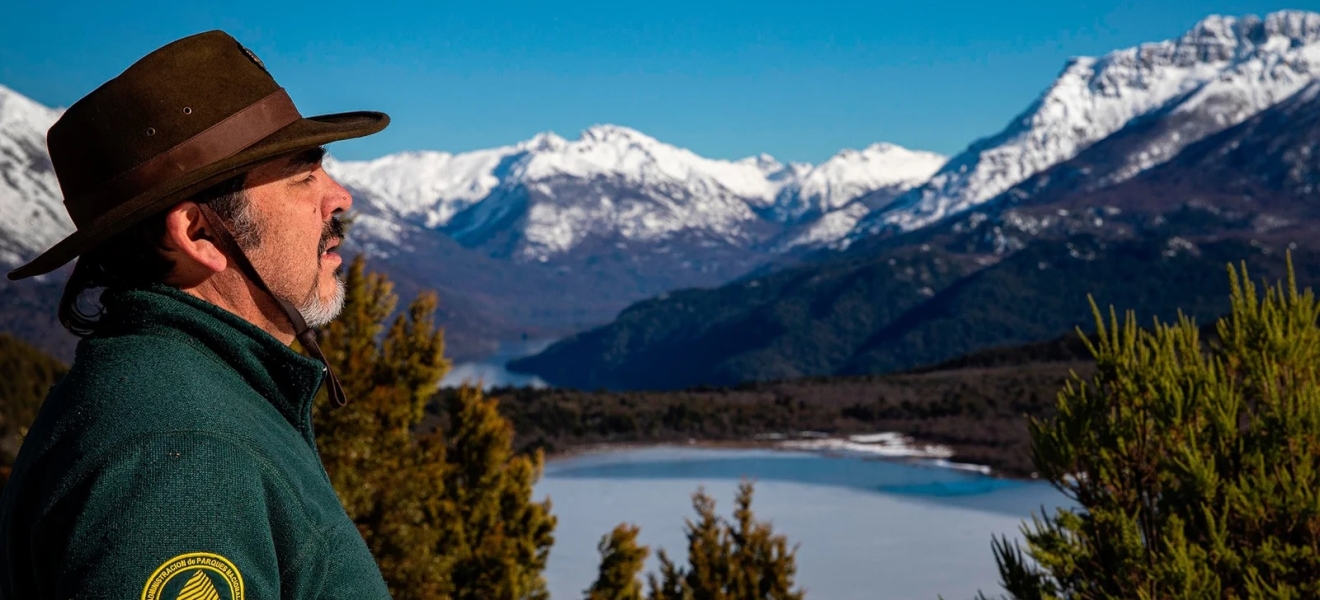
[195, 576]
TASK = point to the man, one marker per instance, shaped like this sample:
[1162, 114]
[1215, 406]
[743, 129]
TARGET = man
[176, 460]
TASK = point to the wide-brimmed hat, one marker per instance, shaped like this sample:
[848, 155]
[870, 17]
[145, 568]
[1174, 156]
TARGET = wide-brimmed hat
[187, 116]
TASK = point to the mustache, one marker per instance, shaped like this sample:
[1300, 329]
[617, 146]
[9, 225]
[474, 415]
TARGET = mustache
[332, 230]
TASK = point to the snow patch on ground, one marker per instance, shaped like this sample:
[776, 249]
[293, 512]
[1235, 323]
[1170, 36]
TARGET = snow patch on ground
[887, 444]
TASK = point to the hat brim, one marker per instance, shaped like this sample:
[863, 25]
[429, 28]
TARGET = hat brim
[302, 134]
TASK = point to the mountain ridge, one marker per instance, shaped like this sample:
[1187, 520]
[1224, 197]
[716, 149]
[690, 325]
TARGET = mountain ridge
[531, 240]
[1218, 74]
[669, 190]
[1016, 269]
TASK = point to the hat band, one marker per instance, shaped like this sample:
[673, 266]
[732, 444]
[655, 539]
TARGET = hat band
[222, 140]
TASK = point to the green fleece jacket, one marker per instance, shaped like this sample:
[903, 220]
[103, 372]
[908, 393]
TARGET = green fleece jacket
[176, 461]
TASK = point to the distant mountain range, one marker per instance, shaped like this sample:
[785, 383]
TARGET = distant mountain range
[548, 198]
[1134, 178]
[537, 239]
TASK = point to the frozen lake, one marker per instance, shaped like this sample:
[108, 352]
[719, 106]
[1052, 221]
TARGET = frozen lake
[867, 529]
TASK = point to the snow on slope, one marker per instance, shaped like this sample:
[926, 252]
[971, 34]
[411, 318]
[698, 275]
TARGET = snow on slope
[1221, 72]
[614, 180]
[829, 228]
[658, 189]
[428, 186]
[851, 174]
[612, 151]
[32, 216]
[845, 188]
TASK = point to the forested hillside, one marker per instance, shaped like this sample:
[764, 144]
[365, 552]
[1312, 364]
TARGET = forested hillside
[26, 374]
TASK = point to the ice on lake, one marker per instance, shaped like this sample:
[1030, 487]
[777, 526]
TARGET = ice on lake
[867, 529]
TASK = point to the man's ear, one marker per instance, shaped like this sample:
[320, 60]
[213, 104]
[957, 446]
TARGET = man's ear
[188, 242]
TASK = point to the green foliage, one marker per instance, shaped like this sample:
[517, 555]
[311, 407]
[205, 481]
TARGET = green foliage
[742, 560]
[26, 374]
[1196, 464]
[505, 538]
[447, 513]
[621, 560]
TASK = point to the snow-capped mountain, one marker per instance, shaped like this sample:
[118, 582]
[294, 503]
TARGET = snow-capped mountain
[1002, 274]
[32, 216]
[611, 183]
[427, 186]
[879, 169]
[545, 196]
[623, 215]
[830, 199]
[1218, 74]
[550, 235]
[615, 184]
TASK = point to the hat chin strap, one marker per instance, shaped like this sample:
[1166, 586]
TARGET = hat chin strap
[306, 335]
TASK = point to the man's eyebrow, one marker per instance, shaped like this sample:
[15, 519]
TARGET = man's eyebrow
[303, 161]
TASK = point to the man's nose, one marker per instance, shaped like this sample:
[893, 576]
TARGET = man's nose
[337, 199]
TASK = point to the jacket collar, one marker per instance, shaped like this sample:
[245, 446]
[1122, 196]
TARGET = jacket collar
[286, 379]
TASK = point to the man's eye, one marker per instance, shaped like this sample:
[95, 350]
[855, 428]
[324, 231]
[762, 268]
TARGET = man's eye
[308, 179]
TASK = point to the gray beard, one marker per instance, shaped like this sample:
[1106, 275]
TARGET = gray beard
[319, 312]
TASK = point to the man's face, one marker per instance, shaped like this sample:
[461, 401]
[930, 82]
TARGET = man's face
[294, 205]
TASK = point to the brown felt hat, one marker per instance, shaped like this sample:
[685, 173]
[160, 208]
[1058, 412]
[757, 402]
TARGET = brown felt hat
[187, 116]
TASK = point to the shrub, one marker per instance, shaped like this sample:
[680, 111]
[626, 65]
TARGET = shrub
[1195, 463]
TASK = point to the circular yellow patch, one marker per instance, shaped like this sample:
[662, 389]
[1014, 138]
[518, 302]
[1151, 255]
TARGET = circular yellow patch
[195, 576]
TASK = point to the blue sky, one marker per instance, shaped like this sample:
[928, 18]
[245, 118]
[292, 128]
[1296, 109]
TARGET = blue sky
[726, 79]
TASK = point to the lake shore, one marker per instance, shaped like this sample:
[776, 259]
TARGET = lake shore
[889, 446]
[972, 417]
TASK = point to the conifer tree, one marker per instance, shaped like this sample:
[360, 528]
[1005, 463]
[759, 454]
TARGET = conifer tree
[391, 484]
[1195, 463]
[621, 561]
[447, 513]
[742, 560]
[504, 541]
